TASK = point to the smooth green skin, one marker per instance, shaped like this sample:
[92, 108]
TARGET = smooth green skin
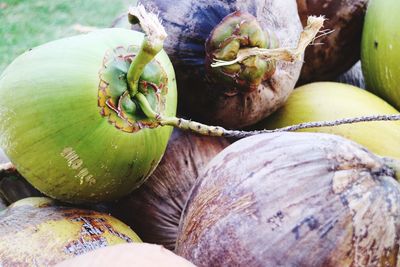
[324, 101]
[380, 50]
[48, 102]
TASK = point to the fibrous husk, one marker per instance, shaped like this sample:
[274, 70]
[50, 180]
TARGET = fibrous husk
[154, 209]
[293, 199]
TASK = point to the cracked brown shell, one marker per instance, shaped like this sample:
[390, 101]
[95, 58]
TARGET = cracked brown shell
[38, 232]
[189, 24]
[154, 209]
[293, 199]
[340, 49]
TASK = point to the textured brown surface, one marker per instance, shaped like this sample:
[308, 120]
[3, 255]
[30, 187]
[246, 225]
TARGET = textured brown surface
[341, 48]
[189, 23]
[35, 232]
[293, 199]
[154, 210]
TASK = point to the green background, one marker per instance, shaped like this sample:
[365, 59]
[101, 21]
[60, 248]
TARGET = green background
[28, 23]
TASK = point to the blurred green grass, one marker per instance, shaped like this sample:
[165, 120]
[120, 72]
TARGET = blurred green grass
[27, 23]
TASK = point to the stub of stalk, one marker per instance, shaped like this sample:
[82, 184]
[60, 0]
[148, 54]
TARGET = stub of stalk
[307, 36]
[153, 43]
[151, 26]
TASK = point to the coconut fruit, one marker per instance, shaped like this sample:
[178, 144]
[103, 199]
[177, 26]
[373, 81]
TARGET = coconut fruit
[143, 255]
[154, 210]
[380, 50]
[237, 95]
[325, 101]
[40, 232]
[73, 111]
[293, 199]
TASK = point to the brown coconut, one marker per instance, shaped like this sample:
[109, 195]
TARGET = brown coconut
[337, 51]
[294, 199]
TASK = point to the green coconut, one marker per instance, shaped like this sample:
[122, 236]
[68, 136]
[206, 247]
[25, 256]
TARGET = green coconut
[380, 51]
[74, 126]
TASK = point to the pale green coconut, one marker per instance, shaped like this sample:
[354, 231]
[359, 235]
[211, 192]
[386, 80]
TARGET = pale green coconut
[71, 124]
[380, 50]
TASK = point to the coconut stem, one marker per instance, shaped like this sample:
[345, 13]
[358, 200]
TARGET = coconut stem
[152, 44]
[314, 24]
[219, 131]
[136, 68]
[193, 126]
[145, 106]
[317, 124]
